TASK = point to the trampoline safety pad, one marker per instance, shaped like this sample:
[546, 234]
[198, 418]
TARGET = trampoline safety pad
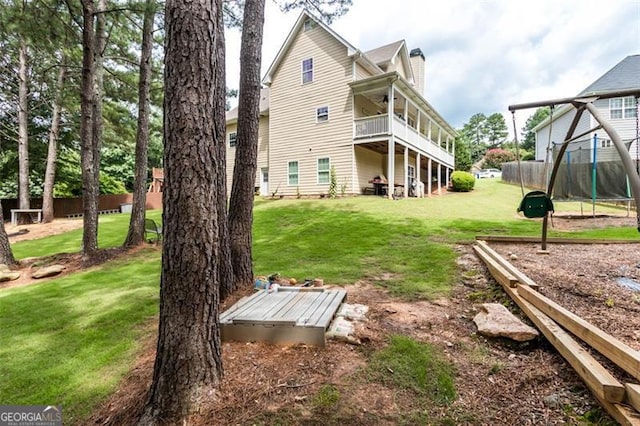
[289, 316]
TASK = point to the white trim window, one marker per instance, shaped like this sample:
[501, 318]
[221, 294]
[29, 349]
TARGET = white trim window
[233, 139]
[605, 143]
[307, 71]
[293, 173]
[324, 170]
[411, 173]
[622, 107]
[322, 114]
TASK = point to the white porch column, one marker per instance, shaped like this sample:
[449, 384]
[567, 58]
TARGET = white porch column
[429, 132]
[405, 113]
[429, 171]
[439, 137]
[448, 175]
[390, 108]
[439, 179]
[447, 142]
[391, 160]
[406, 172]
[418, 178]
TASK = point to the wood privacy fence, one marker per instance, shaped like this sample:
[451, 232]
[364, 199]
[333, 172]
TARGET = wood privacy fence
[64, 207]
[533, 174]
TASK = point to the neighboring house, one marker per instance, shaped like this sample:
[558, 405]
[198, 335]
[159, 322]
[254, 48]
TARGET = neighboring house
[327, 104]
[620, 112]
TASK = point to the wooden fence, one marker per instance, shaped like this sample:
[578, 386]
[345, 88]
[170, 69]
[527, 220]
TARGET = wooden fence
[64, 207]
[533, 174]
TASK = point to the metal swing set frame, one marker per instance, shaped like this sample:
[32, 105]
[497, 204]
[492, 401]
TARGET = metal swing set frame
[585, 103]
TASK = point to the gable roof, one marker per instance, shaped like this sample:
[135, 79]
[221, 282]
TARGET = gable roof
[371, 60]
[384, 54]
[387, 54]
[624, 75]
[232, 115]
[304, 15]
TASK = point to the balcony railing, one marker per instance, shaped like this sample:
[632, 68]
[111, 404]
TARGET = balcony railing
[379, 125]
[371, 126]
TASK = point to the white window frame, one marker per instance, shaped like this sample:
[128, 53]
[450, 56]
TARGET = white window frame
[411, 172]
[297, 174]
[629, 107]
[605, 143]
[322, 116]
[323, 171]
[620, 108]
[307, 73]
[233, 141]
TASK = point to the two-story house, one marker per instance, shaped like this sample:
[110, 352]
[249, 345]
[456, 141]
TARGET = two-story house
[327, 104]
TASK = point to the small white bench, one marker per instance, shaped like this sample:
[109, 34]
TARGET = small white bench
[16, 212]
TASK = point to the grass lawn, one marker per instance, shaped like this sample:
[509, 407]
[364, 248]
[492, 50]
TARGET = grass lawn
[69, 340]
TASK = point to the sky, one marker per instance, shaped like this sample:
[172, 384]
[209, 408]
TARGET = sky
[482, 55]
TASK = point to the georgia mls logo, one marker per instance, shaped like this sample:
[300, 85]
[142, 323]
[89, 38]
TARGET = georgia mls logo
[30, 415]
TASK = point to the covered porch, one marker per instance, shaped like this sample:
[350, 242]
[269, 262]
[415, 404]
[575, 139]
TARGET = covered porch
[397, 134]
[392, 169]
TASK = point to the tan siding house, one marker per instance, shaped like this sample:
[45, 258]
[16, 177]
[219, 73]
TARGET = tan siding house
[333, 106]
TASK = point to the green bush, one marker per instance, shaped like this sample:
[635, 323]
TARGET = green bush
[462, 181]
[494, 158]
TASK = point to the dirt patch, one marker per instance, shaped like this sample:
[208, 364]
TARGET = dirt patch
[72, 262]
[40, 230]
[572, 221]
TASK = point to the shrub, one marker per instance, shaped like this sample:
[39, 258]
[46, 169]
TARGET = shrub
[494, 158]
[462, 181]
[333, 183]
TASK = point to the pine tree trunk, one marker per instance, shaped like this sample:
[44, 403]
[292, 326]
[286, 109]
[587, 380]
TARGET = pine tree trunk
[244, 171]
[52, 153]
[89, 185]
[91, 174]
[6, 255]
[23, 137]
[188, 362]
[225, 270]
[135, 236]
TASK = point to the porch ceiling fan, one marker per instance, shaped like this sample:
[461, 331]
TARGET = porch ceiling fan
[385, 99]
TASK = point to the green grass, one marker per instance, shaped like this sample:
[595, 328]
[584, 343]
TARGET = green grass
[69, 341]
[326, 397]
[341, 245]
[112, 231]
[414, 366]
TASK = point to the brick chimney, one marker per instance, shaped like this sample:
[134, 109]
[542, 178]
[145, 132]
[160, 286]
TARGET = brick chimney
[418, 67]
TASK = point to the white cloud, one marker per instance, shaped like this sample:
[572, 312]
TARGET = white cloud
[484, 55]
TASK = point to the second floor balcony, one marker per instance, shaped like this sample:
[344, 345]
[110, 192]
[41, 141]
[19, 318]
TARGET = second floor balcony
[378, 125]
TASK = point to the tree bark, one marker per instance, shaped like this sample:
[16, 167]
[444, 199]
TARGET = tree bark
[188, 362]
[90, 155]
[23, 136]
[135, 236]
[52, 153]
[225, 269]
[6, 255]
[244, 171]
[87, 160]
